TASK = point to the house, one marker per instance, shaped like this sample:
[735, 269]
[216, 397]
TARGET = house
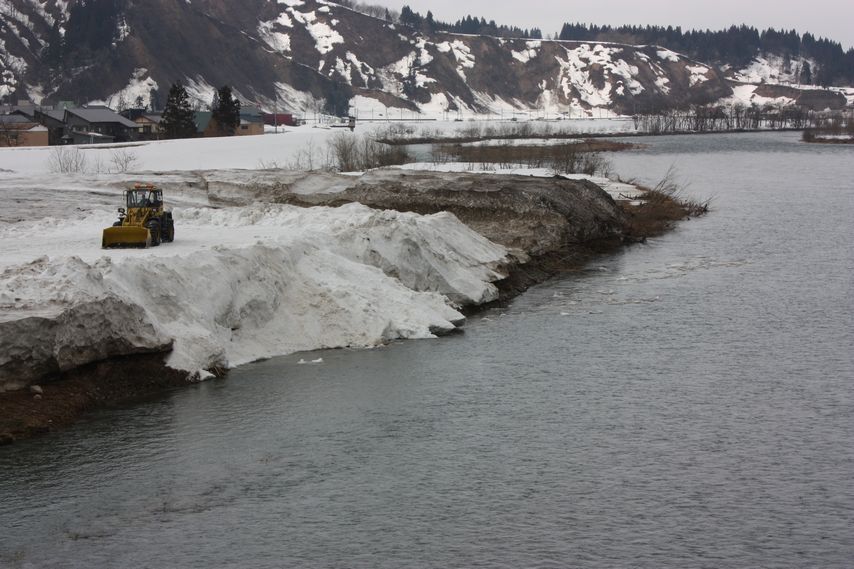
[54, 122]
[149, 125]
[19, 129]
[251, 121]
[249, 128]
[250, 124]
[88, 125]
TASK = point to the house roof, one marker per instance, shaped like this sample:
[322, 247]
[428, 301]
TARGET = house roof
[101, 115]
[55, 115]
[15, 119]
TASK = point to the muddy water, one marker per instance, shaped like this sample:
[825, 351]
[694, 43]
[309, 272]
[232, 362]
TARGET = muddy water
[685, 403]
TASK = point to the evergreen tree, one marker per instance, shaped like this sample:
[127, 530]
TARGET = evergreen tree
[53, 50]
[154, 100]
[806, 74]
[226, 113]
[179, 120]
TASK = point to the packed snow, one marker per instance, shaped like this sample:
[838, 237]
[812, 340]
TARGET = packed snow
[244, 283]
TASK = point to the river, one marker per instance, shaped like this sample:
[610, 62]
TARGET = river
[682, 403]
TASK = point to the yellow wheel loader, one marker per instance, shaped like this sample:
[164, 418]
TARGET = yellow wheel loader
[144, 223]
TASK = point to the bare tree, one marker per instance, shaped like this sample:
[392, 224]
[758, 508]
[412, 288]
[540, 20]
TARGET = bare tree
[123, 161]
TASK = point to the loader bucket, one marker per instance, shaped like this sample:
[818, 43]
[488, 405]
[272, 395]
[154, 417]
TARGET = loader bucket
[126, 236]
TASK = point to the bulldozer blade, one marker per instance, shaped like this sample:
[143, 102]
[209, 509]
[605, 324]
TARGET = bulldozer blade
[126, 236]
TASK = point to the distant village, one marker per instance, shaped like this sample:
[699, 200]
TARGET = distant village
[27, 124]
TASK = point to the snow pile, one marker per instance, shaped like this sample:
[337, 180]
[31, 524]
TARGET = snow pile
[244, 283]
[58, 315]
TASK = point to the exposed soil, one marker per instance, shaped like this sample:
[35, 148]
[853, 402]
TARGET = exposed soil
[65, 397]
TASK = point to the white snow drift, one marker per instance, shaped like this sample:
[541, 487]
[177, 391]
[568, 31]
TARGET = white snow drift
[241, 284]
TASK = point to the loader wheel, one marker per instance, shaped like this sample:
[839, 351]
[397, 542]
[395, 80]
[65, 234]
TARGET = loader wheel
[169, 231]
[154, 230]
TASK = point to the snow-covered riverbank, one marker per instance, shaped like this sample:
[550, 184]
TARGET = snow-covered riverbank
[250, 277]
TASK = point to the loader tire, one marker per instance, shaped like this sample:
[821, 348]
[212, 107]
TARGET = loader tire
[154, 230]
[169, 230]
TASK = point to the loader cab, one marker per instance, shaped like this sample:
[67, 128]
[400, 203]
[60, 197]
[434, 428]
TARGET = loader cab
[144, 197]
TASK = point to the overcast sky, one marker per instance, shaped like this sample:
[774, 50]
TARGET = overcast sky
[828, 18]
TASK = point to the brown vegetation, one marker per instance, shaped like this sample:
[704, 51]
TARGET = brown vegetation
[571, 158]
[662, 207]
[833, 129]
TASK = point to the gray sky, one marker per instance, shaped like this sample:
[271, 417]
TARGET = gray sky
[829, 18]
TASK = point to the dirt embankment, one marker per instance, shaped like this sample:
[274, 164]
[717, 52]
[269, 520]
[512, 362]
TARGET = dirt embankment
[550, 225]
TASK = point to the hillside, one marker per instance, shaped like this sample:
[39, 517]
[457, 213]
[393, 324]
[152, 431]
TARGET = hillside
[297, 52]
[313, 55]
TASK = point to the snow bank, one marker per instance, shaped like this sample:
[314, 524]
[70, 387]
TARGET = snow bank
[241, 284]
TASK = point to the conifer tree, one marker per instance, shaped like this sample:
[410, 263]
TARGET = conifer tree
[179, 120]
[226, 111]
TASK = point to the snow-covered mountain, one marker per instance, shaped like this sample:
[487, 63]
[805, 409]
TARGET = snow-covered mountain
[297, 54]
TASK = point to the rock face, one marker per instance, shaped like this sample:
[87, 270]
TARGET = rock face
[293, 54]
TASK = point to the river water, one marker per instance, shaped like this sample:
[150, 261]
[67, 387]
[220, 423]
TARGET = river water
[683, 403]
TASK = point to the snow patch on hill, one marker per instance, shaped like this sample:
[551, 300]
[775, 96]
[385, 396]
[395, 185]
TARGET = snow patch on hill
[575, 74]
[773, 69]
[278, 41]
[746, 95]
[138, 90]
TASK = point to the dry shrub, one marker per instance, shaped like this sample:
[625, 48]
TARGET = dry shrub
[66, 160]
[354, 153]
[663, 205]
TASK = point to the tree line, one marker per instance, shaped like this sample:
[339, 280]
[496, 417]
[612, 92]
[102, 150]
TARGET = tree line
[736, 45]
[468, 25]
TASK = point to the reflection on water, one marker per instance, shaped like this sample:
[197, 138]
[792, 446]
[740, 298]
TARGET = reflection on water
[684, 403]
